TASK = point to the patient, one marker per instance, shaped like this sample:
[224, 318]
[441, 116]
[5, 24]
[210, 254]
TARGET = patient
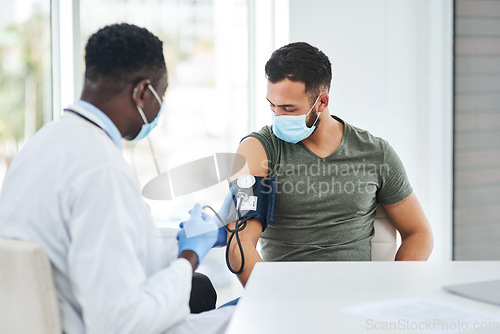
[330, 175]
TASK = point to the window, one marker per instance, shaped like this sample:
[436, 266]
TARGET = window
[25, 74]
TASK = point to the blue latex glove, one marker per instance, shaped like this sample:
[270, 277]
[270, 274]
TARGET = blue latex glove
[224, 213]
[198, 234]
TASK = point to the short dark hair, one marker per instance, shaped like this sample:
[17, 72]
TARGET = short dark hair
[302, 62]
[119, 51]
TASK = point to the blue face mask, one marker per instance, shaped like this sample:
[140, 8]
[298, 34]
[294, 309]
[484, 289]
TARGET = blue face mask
[293, 129]
[148, 127]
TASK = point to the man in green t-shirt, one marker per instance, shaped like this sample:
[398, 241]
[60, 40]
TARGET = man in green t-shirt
[330, 175]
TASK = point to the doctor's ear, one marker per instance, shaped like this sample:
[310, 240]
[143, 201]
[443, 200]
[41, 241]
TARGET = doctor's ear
[138, 94]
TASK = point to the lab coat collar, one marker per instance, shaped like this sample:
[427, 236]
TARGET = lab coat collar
[95, 115]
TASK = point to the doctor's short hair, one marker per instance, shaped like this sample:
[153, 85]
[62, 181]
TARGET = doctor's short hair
[301, 62]
[122, 52]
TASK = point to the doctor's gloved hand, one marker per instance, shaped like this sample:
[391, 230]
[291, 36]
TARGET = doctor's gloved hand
[198, 234]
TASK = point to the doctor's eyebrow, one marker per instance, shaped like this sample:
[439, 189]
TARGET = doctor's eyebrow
[281, 105]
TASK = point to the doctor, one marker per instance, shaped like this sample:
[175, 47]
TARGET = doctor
[71, 191]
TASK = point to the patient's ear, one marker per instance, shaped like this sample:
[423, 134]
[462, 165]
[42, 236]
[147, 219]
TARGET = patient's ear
[323, 101]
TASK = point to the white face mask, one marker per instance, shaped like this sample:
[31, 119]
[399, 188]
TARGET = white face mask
[148, 127]
[293, 129]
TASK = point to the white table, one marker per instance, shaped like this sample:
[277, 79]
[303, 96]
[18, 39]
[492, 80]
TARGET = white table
[312, 297]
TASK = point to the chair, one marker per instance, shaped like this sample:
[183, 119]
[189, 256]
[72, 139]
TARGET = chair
[384, 242]
[28, 299]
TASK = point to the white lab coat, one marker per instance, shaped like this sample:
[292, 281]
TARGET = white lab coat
[70, 190]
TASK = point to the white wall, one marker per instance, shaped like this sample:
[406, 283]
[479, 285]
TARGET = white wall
[392, 75]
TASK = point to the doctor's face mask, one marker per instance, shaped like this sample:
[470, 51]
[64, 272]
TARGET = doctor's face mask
[148, 127]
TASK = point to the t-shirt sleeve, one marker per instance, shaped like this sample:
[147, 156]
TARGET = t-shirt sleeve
[394, 184]
[269, 142]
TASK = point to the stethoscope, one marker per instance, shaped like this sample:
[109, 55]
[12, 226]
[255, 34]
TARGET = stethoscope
[239, 225]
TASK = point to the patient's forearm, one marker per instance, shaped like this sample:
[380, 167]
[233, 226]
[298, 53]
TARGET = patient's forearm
[415, 247]
[251, 258]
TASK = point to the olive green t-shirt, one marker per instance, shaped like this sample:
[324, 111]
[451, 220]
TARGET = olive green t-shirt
[325, 207]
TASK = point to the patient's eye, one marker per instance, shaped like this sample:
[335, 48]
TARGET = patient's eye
[272, 106]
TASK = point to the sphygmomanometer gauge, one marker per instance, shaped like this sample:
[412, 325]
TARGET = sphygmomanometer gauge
[246, 181]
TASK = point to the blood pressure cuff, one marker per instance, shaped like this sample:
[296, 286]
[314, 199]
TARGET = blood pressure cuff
[256, 201]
